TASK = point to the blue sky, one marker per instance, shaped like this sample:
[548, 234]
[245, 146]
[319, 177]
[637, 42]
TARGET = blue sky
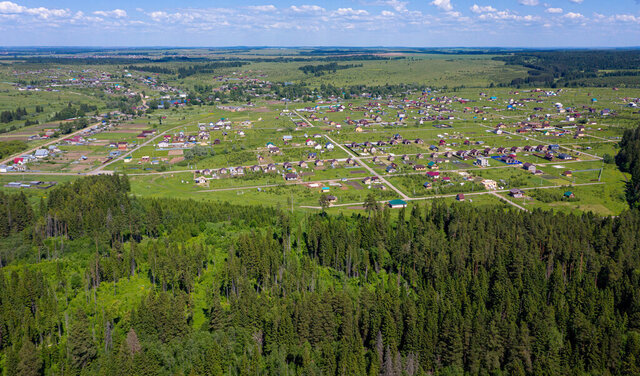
[424, 23]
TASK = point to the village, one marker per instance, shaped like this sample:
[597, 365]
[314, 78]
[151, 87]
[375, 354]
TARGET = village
[404, 149]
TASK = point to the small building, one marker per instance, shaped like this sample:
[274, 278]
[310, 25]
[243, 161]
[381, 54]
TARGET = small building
[41, 153]
[419, 167]
[567, 173]
[516, 193]
[482, 162]
[569, 194]
[460, 197]
[396, 204]
[529, 167]
[291, 177]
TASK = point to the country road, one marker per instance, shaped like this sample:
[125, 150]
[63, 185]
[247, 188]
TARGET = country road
[120, 157]
[49, 143]
[372, 171]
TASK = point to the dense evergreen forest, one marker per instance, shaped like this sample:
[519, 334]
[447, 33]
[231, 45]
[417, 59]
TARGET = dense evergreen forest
[94, 281]
[576, 67]
[628, 160]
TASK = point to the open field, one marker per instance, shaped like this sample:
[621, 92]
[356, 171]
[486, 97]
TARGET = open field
[206, 126]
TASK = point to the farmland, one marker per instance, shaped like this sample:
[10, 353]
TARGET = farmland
[415, 126]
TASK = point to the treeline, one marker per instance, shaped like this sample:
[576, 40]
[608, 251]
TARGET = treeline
[628, 160]
[16, 214]
[8, 148]
[71, 111]
[319, 70]
[207, 68]
[572, 67]
[303, 91]
[151, 69]
[9, 116]
[436, 290]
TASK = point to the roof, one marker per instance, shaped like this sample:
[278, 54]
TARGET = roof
[397, 202]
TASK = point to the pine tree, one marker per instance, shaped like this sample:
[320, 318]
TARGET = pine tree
[30, 363]
[81, 346]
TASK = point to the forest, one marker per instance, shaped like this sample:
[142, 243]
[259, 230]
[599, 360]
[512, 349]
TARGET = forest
[628, 160]
[96, 281]
[572, 67]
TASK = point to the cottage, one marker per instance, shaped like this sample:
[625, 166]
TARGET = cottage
[460, 197]
[419, 167]
[567, 173]
[569, 194]
[396, 204]
[201, 180]
[489, 184]
[529, 167]
[291, 177]
[482, 162]
[427, 185]
[370, 180]
[41, 153]
[516, 193]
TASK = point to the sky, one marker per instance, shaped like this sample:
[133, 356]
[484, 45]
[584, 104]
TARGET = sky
[396, 23]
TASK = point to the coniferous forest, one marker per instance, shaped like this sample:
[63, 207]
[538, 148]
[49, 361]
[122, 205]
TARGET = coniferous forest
[94, 281]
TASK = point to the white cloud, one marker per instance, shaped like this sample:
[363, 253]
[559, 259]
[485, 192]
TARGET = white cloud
[482, 9]
[507, 15]
[386, 13]
[443, 4]
[307, 9]
[7, 7]
[573, 16]
[554, 10]
[577, 1]
[116, 13]
[263, 8]
[626, 18]
[350, 12]
[531, 3]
